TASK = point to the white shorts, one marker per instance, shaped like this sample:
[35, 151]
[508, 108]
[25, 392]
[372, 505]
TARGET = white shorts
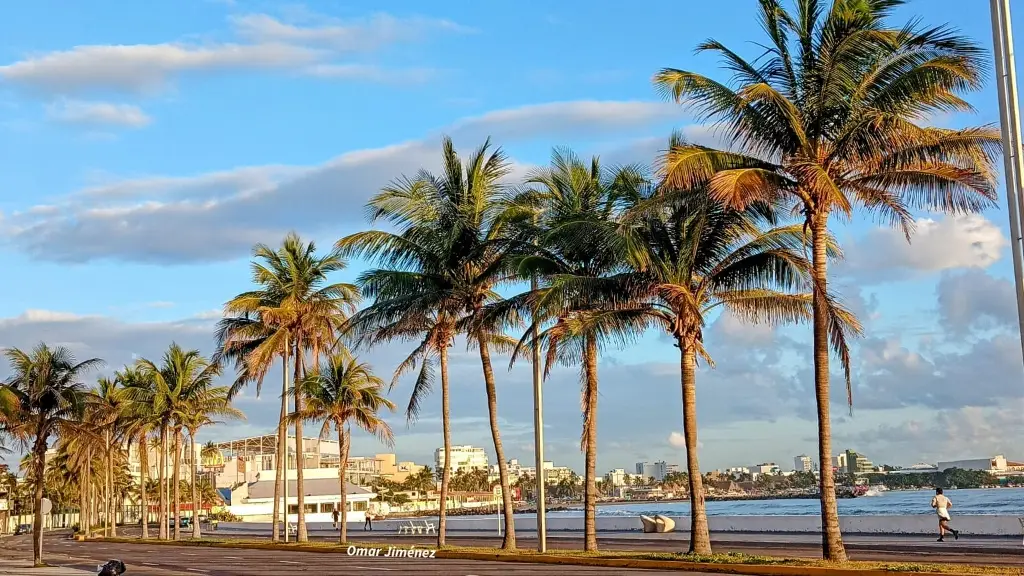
[943, 515]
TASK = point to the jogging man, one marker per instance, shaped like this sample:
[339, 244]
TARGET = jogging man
[942, 506]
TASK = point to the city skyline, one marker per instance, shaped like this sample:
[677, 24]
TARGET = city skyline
[226, 125]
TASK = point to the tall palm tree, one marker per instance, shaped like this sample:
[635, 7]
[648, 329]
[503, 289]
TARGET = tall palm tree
[572, 210]
[205, 409]
[441, 269]
[109, 402]
[182, 381]
[293, 311]
[833, 117]
[50, 398]
[141, 420]
[343, 390]
[694, 256]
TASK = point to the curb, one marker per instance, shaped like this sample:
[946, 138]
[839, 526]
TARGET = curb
[745, 569]
[679, 565]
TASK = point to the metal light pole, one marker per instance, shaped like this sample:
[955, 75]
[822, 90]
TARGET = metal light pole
[1013, 159]
[538, 434]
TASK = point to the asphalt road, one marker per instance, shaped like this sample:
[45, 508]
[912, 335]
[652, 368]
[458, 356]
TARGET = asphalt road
[152, 560]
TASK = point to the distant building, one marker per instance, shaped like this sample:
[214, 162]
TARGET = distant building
[839, 462]
[466, 458]
[765, 468]
[656, 470]
[997, 465]
[858, 464]
[617, 477]
[920, 468]
[803, 463]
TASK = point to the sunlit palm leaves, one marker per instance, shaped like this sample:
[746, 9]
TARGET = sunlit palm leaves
[829, 118]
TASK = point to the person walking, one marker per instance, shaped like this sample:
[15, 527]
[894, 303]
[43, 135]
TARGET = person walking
[942, 506]
[369, 520]
[334, 516]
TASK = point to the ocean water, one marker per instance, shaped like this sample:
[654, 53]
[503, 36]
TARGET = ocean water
[999, 501]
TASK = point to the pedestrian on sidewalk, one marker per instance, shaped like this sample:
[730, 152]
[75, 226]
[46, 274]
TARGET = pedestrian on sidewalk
[334, 516]
[369, 521]
[942, 506]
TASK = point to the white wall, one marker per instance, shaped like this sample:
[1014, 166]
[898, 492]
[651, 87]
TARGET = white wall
[925, 524]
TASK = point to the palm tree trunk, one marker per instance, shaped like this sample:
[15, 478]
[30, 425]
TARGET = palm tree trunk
[446, 432]
[196, 533]
[39, 456]
[342, 467]
[590, 444]
[700, 540]
[143, 497]
[83, 498]
[162, 513]
[301, 534]
[282, 451]
[831, 538]
[509, 540]
[177, 483]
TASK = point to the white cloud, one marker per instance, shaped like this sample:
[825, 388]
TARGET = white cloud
[141, 68]
[360, 35]
[265, 43]
[949, 243]
[677, 440]
[219, 215]
[98, 114]
[372, 73]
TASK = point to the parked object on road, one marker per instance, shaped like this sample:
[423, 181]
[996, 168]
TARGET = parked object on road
[23, 529]
[112, 568]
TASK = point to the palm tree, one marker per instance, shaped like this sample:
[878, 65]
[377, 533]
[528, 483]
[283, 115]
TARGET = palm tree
[571, 210]
[694, 256]
[182, 381]
[141, 419]
[109, 402]
[293, 311]
[832, 117]
[205, 409]
[340, 391]
[50, 399]
[439, 272]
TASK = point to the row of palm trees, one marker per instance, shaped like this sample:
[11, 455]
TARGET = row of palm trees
[829, 120]
[95, 428]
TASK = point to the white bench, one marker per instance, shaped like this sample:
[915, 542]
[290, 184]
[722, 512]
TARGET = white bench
[410, 528]
[429, 527]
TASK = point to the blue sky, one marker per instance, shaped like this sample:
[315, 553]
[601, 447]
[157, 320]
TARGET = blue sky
[145, 146]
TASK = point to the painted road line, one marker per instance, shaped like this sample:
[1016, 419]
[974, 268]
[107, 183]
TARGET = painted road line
[288, 562]
[375, 568]
[198, 570]
[232, 558]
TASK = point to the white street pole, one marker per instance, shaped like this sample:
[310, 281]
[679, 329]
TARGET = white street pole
[1013, 159]
[284, 467]
[538, 434]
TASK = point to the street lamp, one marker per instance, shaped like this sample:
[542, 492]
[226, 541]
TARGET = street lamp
[1009, 119]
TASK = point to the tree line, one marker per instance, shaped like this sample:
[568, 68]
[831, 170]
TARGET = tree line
[830, 121]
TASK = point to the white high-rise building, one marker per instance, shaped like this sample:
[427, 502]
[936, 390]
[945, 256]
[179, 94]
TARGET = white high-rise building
[466, 458]
[803, 463]
[657, 470]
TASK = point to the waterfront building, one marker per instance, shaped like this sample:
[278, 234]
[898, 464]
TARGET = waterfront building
[803, 463]
[466, 458]
[858, 464]
[998, 465]
[765, 468]
[254, 501]
[617, 477]
[243, 459]
[656, 470]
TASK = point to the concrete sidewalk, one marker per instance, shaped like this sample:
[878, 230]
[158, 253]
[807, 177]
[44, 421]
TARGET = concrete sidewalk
[23, 567]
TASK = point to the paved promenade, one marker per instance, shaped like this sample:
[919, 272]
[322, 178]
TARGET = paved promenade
[75, 558]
